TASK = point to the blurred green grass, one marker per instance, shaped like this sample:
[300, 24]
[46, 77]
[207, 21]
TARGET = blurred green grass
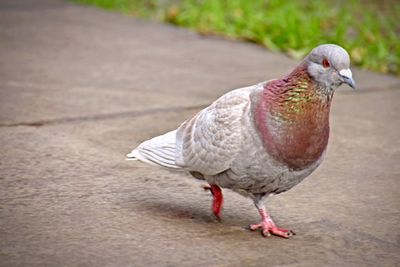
[369, 30]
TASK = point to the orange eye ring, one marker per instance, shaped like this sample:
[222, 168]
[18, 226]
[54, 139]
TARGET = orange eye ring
[326, 63]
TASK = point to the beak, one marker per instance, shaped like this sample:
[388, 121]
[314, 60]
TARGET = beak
[347, 77]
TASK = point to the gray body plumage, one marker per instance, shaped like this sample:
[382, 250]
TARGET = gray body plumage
[222, 145]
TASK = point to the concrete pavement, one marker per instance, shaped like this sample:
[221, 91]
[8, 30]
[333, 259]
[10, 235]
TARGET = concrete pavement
[80, 87]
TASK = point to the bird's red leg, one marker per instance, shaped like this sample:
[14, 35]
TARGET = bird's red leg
[218, 199]
[268, 226]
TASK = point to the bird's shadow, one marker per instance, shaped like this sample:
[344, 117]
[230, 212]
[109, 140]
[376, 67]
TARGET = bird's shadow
[196, 210]
[179, 211]
[185, 201]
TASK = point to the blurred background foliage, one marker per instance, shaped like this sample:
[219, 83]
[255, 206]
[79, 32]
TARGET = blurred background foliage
[369, 30]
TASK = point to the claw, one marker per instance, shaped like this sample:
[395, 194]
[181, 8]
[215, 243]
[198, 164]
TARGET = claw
[254, 227]
[266, 233]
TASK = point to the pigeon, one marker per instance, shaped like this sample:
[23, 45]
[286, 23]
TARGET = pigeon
[258, 140]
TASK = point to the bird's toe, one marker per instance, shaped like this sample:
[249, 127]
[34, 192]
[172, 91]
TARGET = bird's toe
[255, 226]
[282, 232]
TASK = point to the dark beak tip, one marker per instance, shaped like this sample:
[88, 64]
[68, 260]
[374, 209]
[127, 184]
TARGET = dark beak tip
[352, 85]
[350, 82]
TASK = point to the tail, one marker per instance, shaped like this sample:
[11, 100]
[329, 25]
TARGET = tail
[158, 151]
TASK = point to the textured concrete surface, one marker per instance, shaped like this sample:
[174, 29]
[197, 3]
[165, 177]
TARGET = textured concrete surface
[80, 87]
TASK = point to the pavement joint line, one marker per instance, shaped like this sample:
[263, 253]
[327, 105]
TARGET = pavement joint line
[39, 86]
[138, 113]
[97, 117]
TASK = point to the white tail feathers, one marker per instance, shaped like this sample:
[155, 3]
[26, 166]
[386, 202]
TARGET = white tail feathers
[158, 151]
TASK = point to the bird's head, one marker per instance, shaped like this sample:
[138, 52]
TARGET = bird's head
[329, 66]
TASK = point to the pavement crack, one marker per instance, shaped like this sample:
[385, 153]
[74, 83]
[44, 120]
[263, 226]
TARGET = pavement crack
[98, 117]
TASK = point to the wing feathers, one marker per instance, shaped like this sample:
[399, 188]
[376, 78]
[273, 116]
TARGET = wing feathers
[208, 143]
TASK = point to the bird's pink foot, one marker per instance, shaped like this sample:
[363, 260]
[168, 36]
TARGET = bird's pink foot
[268, 227]
[218, 199]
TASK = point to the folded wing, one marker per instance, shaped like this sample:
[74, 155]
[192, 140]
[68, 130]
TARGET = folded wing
[207, 143]
[210, 141]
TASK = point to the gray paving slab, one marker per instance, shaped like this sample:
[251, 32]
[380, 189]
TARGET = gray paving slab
[80, 87]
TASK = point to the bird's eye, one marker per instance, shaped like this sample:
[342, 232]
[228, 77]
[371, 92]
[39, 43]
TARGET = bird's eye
[326, 63]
